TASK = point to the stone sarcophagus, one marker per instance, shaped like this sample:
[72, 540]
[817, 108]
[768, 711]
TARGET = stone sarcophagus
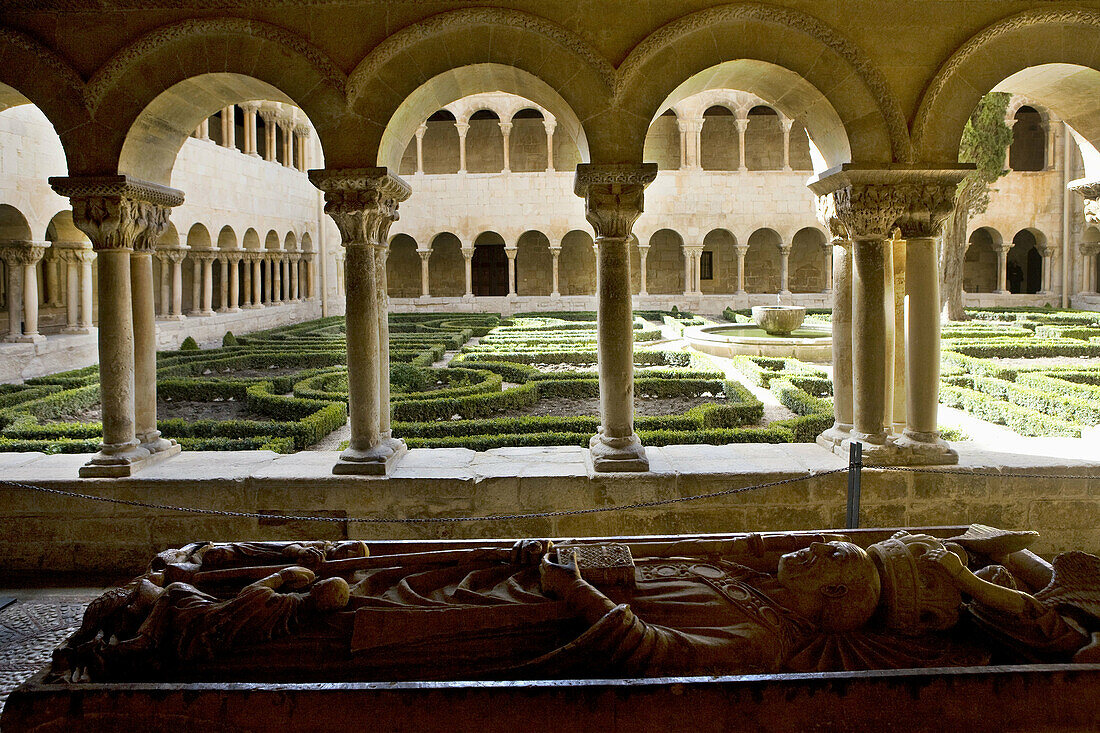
[940, 628]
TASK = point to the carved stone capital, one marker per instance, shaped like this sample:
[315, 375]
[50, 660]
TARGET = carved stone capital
[118, 212]
[21, 252]
[613, 196]
[249, 107]
[870, 202]
[363, 202]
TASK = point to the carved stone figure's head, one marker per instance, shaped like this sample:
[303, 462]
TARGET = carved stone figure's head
[330, 594]
[835, 584]
[917, 596]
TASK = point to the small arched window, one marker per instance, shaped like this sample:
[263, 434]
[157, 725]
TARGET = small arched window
[1029, 141]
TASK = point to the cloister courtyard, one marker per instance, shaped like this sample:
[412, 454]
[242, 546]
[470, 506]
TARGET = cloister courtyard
[353, 270]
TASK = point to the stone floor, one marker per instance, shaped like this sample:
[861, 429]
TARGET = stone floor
[33, 626]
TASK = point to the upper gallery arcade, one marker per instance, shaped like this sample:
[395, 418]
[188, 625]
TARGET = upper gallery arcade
[873, 102]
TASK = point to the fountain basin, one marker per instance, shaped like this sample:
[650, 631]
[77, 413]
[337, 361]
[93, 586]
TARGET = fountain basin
[813, 341]
[778, 320]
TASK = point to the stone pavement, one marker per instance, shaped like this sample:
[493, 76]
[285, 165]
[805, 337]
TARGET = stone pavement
[32, 627]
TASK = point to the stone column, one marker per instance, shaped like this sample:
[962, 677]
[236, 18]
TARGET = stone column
[145, 334]
[86, 260]
[120, 214]
[72, 282]
[202, 131]
[689, 278]
[927, 208]
[295, 283]
[463, 128]
[53, 287]
[555, 253]
[506, 132]
[549, 126]
[165, 287]
[223, 295]
[301, 135]
[1002, 268]
[690, 134]
[867, 205]
[843, 398]
[229, 128]
[784, 268]
[287, 128]
[786, 123]
[246, 281]
[643, 253]
[21, 258]
[250, 110]
[196, 284]
[14, 269]
[828, 266]
[277, 279]
[176, 256]
[420, 132]
[363, 203]
[271, 131]
[269, 282]
[740, 250]
[234, 283]
[510, 253]
[613, 196]
[468, 256]
[208, 284]
[742, 126]
[425, 255]
[258, 281]
[683, 143]
[1047, 254]
[311, 278]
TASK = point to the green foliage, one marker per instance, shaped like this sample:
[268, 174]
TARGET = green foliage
[189, 344]
[229, 339]
[985, 140]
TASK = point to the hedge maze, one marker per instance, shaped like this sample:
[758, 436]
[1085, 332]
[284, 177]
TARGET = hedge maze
[1034, 370]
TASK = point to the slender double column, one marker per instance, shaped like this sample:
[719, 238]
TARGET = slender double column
[784, 268]
[425, 256]
[843, 399]
[363, 203]
[740, 250]
[21, 259]
[643, 253]
[510, 253]
[613, 197]
[468, 256]
[124, 218]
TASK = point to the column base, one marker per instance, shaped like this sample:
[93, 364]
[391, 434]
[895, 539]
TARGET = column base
[77, 330]
[376, 461]
[232, 310]
[834, 436]
[617, 454]
[251, 307]
[172, 317]
[555, 295]
[926, 449]
[27, 338]
[874, 454]
[153, 443]
[468, 298]
[424, 297]
[120, 465]
[740, 292]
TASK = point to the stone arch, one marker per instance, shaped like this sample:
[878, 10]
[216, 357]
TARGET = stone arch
[181, 73]
[980, 262]
[534, 264]
[577, 264]
[719, 140]
[1029, 140]
[271, 241]
[663, 142]
[762, 261]
[785, 57]
[453, 84]
[306, 243]
[664, 269]
[227, 238]
[62, 229]
[198, 237]
[1049, 55]
[251, 240]
[807, 263]
[527, 145]
[484, 142]
[489, 265]
[446, 267]
[1024, 273]
[532, 58]
[402, 267]
[763, 139]
[290, 242]
[720, 243]
[156, 133]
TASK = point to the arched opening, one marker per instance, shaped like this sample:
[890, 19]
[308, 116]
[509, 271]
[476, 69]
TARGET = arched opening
[1029, 141]
[403, 268]
[577, 264]
[13, 225]
[484, 143]
[534, 264]
[662, 142]
[718, 263]
[763, 140]
[980, 264]
[527, 151]
[446, 267]
[807, 261]
[719, 140]
[762, 262]
[439, 146]
[664, 270]
[490, 265]
[1025, 263]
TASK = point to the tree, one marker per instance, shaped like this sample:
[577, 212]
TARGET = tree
[985, 141]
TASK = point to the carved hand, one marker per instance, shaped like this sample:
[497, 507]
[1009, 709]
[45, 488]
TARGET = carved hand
[949, 561]
[557, 579]
[296, 577]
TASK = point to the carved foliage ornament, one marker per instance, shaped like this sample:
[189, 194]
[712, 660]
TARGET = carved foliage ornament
[363, 202]
[613, 196]
[17, 253]
[868, 211]
[927, 207]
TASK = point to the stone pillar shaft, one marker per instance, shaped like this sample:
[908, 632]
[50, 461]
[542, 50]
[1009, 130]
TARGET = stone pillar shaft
[420, 131]
[555, 254]
[15, 298]
[207, 285]
[549, 127]
[843, 399]
[234, 285]
[177, 286]
[643, 253]
[72, 300]
[223, 295]
[229, 128]
[1002, 270]
[257, 283]
[86, 261]
[425, 280]
[510, 253]
[468, 256]
[740, 251]
[742, 126]
[784, 270]
[869, 317]
[463, 128]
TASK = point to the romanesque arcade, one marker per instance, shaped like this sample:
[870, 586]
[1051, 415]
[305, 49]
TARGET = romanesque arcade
[480, 157]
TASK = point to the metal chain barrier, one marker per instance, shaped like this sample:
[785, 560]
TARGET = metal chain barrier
[419, 520]
[987, 474]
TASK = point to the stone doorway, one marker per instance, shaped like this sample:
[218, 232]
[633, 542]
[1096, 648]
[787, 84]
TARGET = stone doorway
[490, 270]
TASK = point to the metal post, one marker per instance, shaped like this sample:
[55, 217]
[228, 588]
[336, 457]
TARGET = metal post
[855, 465]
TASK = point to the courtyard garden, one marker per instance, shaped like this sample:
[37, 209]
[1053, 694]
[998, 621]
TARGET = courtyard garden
[480, 381]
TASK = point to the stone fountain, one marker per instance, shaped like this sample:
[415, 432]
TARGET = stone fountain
[778, 320]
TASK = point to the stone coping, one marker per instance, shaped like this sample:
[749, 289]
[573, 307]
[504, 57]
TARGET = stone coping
[996, 698]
